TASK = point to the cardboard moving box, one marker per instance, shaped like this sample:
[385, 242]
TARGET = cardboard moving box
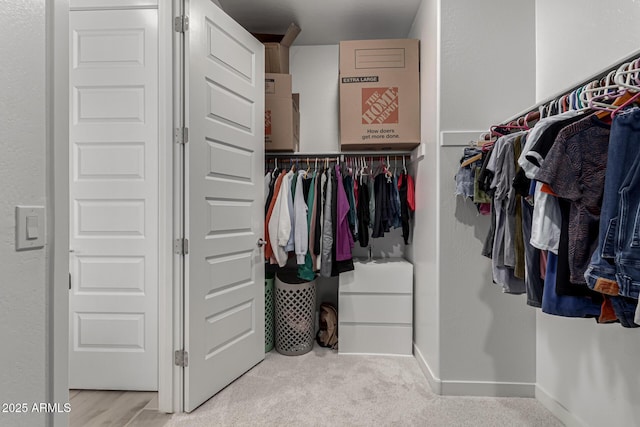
[281, 114]
[276, 49]
[379, 94]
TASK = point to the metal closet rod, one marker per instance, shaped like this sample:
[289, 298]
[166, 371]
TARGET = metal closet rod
[343, 154]
[597, 76]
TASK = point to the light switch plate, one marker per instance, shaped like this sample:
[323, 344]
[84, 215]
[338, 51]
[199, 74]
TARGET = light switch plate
[29, 227]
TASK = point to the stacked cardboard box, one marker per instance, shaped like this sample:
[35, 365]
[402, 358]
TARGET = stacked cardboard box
[282, 114]
[379, 94]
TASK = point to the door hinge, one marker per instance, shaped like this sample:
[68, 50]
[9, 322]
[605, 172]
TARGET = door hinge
[182, 135]
[181, 246]
[181, 24]
[181, 358]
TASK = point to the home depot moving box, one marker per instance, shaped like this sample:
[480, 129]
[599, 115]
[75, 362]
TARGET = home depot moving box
[276, 49]
[281, 114]
[379, 94]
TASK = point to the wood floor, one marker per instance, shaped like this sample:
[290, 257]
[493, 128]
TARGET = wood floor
[93, 408]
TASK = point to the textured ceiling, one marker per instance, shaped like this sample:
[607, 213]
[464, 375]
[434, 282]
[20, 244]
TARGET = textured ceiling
[326, 21]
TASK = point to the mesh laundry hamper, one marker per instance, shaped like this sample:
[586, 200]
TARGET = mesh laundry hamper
[295, 313]
[269, 315]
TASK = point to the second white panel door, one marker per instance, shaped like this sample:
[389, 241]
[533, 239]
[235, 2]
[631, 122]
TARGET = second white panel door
[114, 200]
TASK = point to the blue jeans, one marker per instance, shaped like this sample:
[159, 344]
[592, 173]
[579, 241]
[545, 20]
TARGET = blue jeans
[565, 305]
[615, 265]
[615, 222]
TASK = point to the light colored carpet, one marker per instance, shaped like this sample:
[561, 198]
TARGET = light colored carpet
[322, 388]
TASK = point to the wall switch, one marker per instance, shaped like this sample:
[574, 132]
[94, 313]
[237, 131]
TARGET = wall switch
[29, 227]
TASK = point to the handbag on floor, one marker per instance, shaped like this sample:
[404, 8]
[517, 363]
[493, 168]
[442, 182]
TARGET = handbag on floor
[327, 336]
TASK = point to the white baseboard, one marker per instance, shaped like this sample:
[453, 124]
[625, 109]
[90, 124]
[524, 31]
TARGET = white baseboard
[434, 382]
[487, 389]
[472, 388]
[557, 409]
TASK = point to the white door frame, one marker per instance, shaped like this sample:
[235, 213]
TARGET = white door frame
[169, 320]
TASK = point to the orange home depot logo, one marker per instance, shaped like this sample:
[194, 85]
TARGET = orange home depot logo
[379, 105]
[267, 122]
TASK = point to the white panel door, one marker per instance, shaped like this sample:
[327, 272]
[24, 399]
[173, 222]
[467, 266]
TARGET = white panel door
[224, 280]
[114, 200]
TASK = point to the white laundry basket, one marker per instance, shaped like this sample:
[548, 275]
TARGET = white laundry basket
[295, 313]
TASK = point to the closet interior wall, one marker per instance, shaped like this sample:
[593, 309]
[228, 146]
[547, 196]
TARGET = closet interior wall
[590, 370]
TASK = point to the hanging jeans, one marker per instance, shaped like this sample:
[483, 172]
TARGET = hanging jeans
[615, 265]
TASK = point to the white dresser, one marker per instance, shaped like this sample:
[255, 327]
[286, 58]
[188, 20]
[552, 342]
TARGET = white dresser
[375, 308]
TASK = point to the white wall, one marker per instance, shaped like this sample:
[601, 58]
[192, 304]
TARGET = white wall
[599, 34]
[23, 275]
[474, 338]
[424, 251]
[477, 320]
[314, 71]
[591, 370]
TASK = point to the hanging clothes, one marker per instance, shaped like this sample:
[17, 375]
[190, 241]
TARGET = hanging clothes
[406, 208]
[317, 244]
[280, 223]
[301, 229]
[312, 201]
[383, 216]
[268, 251]
[306, 270]
[502, 164]
[343, 241]
[344, 236]
[364, 218]
[351, 214]
[327, 229]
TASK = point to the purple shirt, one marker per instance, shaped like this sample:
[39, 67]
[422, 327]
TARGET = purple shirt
[344, 239]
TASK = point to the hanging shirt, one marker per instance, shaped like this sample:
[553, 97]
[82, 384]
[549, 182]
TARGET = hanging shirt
[395, 204]
[321, 179]
[503, 252]
[546, 222]
[363, 215]
[280, 221]
[337, 266]
[372, 201]
[268, 179]
[344, 238]
[269, 194]
[290, 246]
[403, 189]
[541, 126]
[411, 193]
[268, 250]
[305, 271]
[352, 214]
[575, 169]
[312, 203]
[382, 219]
[301, 229]
[327, 231]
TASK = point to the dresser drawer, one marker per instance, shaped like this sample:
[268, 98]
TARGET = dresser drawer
[390, 275]
[375, 339]
[375, 308]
